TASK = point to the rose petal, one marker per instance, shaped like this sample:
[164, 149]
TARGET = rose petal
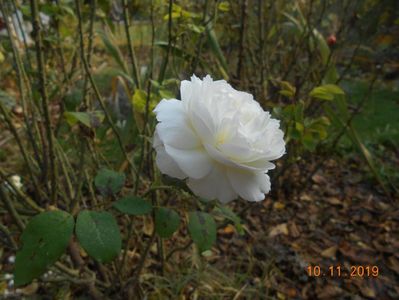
[167, 165]
[213, 186]
[178, 135]
[193, 162]
[249, 185]
[167, 110]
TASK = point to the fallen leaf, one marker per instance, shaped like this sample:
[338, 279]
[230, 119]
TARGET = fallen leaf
[278, 205]
[329, 252]
[29, 289]
[294, 230]
[329, 292]
[279, 229]
[334, 200]
[305, 197]
[319, 179]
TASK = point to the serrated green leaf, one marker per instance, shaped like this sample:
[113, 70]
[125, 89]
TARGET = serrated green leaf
[44, 240]
[202, 229]
[99, 235]
[133, 205]
[167, 221]
[109, 182]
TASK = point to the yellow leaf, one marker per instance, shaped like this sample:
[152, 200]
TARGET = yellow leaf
[279, 229]
[278, 205]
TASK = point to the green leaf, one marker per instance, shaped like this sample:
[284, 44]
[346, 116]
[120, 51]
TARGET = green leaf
[287, 89]
[89, 119]
[113, 49]
[133, 205]
[232, 216]
[139, 100]
[217, 50]
[167, 221]
[166, 94]
[99, 235]
[326, 92]
[44, 240]
[309, 142]
[224, 6]
[109, 182]
[286, 93]
[299, 126]
[202, 228]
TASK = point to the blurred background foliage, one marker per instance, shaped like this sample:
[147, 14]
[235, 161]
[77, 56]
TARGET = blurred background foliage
[327, 69]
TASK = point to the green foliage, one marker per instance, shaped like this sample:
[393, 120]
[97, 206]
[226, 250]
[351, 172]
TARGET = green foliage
[229, 214]
[167, 221]
[113, 49]
[286, 59]
[98, 233]
[326, 92]
[91, 120]
[202, 229]
[109, 182]
[44, 240]
[133, 205]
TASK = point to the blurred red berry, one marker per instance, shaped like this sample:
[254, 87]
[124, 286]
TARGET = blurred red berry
[332, 40]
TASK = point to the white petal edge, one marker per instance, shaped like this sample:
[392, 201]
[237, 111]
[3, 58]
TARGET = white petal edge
[250, 186]
[215, 185]
[195, 163]
[166, 110]
[167, 165]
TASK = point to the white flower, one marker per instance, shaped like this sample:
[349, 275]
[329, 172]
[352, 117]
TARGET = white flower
[16, 180]
[219, 138]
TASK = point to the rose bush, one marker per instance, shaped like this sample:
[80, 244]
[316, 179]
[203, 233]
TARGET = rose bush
[219, 139]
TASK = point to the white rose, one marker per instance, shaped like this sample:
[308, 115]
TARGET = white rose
[219, 138]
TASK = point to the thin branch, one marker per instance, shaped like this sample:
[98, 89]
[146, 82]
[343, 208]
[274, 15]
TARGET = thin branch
[165, 61]
[243, 26]
[95, 88]
[43, 92]
[10, 208]
[135, 72]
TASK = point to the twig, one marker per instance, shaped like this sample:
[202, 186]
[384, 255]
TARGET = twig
[19, 193]
[11, 209]
[243, 25]
[135, 72]
[132, 282]
[161, 76]
[96, 91]
[5, 230]
[43, 92]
